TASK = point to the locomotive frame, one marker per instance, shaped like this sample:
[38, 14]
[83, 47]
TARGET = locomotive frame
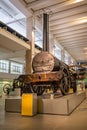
[58, 77]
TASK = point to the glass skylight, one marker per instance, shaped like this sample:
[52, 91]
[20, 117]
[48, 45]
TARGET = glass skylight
[11, 16]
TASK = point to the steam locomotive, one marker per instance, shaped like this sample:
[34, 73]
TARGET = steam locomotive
[48, 73]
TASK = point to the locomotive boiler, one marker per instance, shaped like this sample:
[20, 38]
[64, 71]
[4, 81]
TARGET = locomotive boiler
[48, 72]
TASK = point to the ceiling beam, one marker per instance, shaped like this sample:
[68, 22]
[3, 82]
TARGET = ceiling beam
[67, 19]
[75, 43]
[15, 54]
[68, 30]
[66, 13]
[76, 36]
[74, 33]
[67, 25]
[57, 6]
[42, 4]
[76, 46]
[72, 40]
[5, 49]
[69, 43]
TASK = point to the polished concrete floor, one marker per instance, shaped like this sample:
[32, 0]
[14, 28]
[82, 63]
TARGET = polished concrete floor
[77, 120]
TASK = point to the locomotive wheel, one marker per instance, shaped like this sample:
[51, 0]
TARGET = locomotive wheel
[64, 85]
[6, 88]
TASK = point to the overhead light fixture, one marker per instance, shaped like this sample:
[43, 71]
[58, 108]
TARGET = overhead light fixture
[85, 48]
[69, 2]
[76, 1]
[80, 20]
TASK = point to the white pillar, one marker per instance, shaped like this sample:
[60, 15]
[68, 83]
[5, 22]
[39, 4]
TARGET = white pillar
[30, 36]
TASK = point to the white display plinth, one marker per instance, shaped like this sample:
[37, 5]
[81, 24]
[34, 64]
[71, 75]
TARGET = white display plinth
[13, 104]
[63, 105]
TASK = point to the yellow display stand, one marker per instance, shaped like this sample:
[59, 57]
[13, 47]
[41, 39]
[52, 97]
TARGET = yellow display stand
[29, 104]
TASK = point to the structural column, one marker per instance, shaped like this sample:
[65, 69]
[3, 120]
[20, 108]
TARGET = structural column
[30, 36]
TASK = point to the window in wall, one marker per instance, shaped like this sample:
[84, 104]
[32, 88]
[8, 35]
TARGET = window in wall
[38, 38]
[66, 58]
[16, 68]
[11, 16]
[4, 66]
[19, 26]
[57, 52]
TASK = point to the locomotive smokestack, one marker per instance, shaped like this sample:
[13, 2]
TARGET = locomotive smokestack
[45, 32]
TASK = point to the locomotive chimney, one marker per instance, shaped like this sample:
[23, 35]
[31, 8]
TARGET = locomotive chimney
[45, 32]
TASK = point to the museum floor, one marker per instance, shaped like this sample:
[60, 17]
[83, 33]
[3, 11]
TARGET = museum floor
[77, 120]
